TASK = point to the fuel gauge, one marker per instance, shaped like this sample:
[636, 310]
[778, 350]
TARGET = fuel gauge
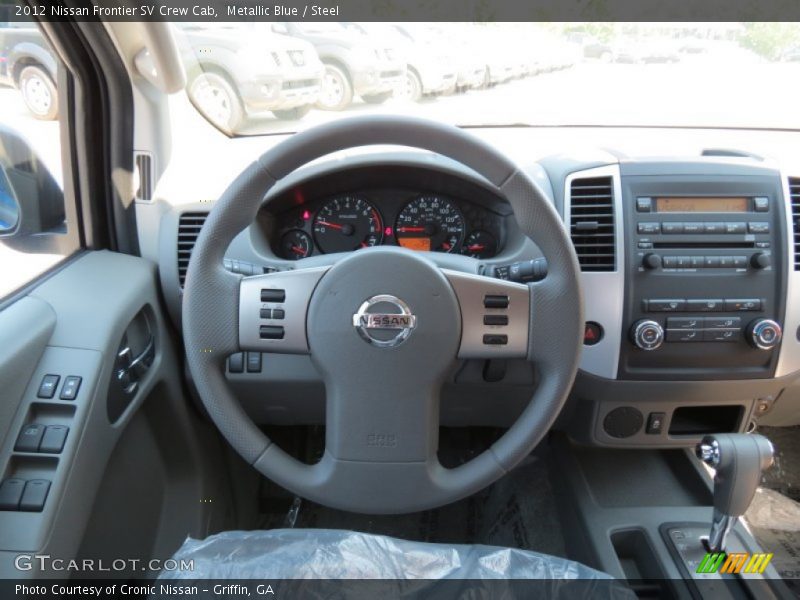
[479, 244]
[296, 244]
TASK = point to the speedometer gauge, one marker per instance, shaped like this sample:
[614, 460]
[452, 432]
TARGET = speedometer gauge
[347, 223]
[430, 223]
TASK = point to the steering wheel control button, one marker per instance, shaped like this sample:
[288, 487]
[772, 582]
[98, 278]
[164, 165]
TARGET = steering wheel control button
[647, 335]
[270, 295]
[254, 362]
[47, 389]
[278, 314]
[34, 495]
[11, 493]
[744, 305]
[236, 363]
[54, 438]
[271, 332]
[623, 422]
[70, 388]
[384, 321]
[668, 305]
[29, 438]
[495, 339]
[764, 334]
[592, 333]
[496, 320]
[655, 423]
[265, 313]
[495, 301]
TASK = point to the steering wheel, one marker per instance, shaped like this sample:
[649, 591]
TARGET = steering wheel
[385, 327]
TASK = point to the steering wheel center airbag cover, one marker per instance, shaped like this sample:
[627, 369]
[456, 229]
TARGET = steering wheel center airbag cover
[361, 378]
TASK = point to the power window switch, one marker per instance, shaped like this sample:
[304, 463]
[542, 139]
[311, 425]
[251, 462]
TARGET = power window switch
[655, 423]
[34, 495]
[11, 493]
[53, 439]
[47, 389]
[70, 388]
[29, 438]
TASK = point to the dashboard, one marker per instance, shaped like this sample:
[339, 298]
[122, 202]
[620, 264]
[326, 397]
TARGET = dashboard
[688, 269]
[420, 220]
[393, 205]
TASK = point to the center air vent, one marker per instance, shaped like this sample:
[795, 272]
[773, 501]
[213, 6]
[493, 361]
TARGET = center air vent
[188, 229]
[794, 193]
[592, 222]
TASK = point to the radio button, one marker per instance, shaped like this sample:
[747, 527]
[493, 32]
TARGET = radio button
[735, 227]
[715, 227]
[740, 262]
[763, 244]
[684, 335]
[745, 305]
[670, 262]
[722, 322]
[721, 335]
[758, 227]
[712, 262]
[684, 262]
[697, 262]
[761, 204]
[685, 323]
[649, 228]
[704, 305]
[726, 262]
[693, 227]
[672, 228]
[644, 205]
[645, 245]
[665, 305]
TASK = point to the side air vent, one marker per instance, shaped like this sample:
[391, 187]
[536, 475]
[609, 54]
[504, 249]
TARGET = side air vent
[144, 171]
[188, 229]
[794, 193]
[592, 222]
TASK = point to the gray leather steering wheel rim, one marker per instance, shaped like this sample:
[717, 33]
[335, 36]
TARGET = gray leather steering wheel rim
[211, 333]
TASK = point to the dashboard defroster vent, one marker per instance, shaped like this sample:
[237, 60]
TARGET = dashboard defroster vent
[189, 227]
[794, 193]
[592, 226]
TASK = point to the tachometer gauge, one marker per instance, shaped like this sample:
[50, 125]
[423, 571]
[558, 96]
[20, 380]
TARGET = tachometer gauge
[296, 244]
[430, 223]
[479, 244]
[347, 223]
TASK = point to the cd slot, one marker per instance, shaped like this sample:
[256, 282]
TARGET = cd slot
[703, 245]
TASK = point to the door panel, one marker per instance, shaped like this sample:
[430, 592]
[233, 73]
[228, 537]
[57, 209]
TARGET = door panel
[72, 326]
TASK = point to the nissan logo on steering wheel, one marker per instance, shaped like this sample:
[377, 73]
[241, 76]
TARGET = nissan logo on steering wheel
[384, 321]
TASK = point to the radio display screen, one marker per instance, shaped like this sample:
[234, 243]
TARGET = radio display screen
[701, 205]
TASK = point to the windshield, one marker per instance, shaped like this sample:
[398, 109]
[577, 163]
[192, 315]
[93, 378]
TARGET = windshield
[729, 75]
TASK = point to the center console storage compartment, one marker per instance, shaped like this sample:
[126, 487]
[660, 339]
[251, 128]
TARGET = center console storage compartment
[700, 420]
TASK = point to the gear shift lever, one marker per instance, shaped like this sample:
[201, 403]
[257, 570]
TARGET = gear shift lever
[739, 460]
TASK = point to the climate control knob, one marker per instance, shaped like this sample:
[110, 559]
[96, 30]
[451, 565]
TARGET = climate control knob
[647, 335]
[764, 334]
[651, 261]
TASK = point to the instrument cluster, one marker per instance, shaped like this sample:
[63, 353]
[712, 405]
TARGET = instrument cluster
[428, 222]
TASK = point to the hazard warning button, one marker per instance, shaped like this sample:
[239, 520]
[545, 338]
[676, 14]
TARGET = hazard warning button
[592, 333]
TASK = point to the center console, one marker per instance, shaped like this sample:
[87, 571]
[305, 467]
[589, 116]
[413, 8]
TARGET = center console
[705, 266]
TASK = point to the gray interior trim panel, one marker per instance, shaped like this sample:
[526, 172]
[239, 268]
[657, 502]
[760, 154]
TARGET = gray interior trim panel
[604, 291]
